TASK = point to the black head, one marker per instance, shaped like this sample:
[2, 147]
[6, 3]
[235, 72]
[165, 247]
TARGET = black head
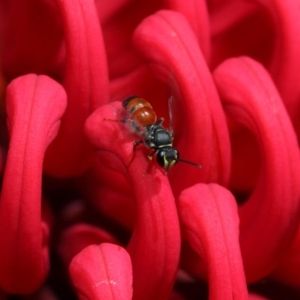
[167, 157]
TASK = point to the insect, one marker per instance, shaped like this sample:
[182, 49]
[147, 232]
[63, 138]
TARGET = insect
[142, 119]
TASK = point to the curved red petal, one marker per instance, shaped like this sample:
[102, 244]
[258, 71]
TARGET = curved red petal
[240, 28]
[210, 220]
[77, 237]
[108, 9]
[86, 84]
[35, 105]
[31, 45]
[102, 272]
[117, 32]
[285, 61]
[288, 268]
[270, 217]
[155, 243]
[171, 49]
[110, 192]
[197, 16]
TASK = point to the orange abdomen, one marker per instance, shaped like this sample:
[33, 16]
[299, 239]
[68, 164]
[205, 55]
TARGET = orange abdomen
[140, 111]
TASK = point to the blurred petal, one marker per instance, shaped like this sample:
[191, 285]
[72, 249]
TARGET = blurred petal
[155, 243]
[102, 272]
[266, 30]
[288, 270]
[31, 45]
[86, 84]
[176, 296]
[35, 105]
[223, 17]
[171, 49]
[270, 217]
[256, 297]
[210, 220]
[77, 237]
[117, 33]
[110, 192]
[197, 16]
[240, 28]
[285, 61]
[107, 9]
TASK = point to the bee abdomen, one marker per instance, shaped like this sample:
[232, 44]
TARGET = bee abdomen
[140, 111]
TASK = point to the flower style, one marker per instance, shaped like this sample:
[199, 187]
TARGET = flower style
[78, 198]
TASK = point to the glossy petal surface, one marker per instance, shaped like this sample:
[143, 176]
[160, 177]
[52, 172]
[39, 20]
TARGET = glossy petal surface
[102, 272]
[250, 98]
[35, 105]
[210, 221]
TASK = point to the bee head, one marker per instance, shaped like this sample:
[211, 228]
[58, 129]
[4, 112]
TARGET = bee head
[167, 157]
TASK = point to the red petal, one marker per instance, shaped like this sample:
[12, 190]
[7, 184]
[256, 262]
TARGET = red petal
[270, 217]
[110, 193]
[285, 59]
[35, 105]
[210, 220]
[155, 243]
[77, 237]
[240, 28]
[86, 83]
[168, 44]
[102, 272]
[31, 45]
[288, 268]
[197, 16]
[117, 33]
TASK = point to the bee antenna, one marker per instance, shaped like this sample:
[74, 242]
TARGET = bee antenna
[190, 163]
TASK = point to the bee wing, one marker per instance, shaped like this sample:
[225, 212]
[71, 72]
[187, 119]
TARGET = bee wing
[171, 110]
[135, 127]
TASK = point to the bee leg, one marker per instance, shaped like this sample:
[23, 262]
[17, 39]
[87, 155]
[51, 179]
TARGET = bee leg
[150, 157]
[121, 120]
[135, 144]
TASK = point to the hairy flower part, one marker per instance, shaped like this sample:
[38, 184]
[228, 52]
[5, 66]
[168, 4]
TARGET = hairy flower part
[86, 84]
[77, 237]
[210, 221]
[163, 38]
[35, 105]
[155, 242]
[102, 272]
[250, 98]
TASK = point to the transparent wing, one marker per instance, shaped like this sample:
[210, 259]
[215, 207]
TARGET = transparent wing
[171, 110]
[134, 127]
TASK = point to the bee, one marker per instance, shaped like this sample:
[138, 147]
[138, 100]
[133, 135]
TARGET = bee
[142, 119]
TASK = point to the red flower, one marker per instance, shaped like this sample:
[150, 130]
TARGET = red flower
[121, 226]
